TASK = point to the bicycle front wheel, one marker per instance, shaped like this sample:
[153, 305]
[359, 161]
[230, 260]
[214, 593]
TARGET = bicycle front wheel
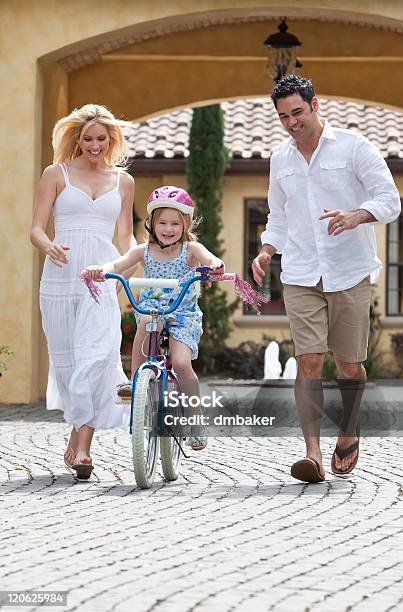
[144, 429]
[171, 453]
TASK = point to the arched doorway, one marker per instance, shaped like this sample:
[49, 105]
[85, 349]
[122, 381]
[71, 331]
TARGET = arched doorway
[140, 65]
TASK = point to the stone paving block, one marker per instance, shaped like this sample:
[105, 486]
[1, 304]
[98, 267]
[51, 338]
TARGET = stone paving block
[235, 532]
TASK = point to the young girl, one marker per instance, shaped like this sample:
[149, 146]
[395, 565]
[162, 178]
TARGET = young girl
[171, 251]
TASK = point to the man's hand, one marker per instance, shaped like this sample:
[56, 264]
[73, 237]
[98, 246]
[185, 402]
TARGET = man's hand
[260, 263]
[340, 220]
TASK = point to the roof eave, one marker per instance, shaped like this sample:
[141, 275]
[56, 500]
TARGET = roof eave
[142, 166]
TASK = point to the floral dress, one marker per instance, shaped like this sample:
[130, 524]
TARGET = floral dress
[185, 323]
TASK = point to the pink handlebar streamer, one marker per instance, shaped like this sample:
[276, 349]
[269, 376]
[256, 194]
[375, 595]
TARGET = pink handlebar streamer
[243, 289]
[95, 290]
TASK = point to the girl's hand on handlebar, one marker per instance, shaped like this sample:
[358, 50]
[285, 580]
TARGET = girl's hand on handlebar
[217, 266]
[96, 273]
[57, 254]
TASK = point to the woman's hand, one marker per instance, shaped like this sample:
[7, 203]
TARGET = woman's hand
[57, 254]
[96, 273]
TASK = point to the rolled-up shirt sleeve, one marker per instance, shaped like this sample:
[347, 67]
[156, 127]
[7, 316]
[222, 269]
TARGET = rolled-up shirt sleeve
[276, 226]
[376, 178]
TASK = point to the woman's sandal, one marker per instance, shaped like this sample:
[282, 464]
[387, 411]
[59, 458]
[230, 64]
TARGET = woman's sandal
[83, 470]
[196, 442]
[66, 463]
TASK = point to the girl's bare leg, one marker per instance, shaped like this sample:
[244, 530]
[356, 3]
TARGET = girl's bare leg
[188, 381]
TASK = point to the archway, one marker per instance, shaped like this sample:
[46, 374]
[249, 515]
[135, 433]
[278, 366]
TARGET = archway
[120, 56]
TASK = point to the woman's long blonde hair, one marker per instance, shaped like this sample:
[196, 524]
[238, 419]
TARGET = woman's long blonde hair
[69, 130]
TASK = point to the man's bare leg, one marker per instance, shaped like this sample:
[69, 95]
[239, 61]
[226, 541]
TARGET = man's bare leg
[309, 400]
[351, 378]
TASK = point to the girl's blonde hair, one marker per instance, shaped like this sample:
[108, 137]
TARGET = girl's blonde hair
[188, 225]
[69, 130]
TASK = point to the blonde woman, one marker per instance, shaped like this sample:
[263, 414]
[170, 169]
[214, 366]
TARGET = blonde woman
[88, 195]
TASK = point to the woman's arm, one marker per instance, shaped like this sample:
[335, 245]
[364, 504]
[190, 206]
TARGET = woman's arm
[45, 197]
[198, 254]
[125, 219]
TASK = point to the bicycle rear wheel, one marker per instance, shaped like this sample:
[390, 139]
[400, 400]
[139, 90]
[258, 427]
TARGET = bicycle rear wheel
[144, 430]
[171, 454]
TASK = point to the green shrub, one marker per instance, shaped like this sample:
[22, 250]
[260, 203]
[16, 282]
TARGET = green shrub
[4, 350]
[128, 326]
[246, 360]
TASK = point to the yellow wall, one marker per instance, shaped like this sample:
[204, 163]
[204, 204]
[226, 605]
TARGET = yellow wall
[136, 87]
[35, 93]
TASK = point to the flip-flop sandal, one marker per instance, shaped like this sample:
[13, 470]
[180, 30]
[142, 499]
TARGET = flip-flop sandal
[83, 470]
[197, 443]
[307, 470]
[342, 453]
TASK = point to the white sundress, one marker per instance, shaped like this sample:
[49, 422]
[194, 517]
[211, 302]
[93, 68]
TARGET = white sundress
[83, 337]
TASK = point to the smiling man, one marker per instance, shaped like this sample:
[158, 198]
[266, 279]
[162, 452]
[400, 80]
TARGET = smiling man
[328, 187]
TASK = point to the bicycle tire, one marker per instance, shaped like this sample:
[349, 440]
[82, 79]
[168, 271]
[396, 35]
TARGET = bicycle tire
[144, 430]
[171, 454]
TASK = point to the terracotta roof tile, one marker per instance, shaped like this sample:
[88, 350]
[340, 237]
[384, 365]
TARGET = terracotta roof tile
[252, 129]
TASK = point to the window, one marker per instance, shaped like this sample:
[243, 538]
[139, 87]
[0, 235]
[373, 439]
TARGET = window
[255, 222]
[395, 267]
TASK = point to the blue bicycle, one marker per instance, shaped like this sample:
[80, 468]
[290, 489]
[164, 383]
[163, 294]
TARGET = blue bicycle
[153, 381]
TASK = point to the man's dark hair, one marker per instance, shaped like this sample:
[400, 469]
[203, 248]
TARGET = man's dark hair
[292, 84]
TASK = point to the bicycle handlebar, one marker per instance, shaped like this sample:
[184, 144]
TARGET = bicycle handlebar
[159, 282]
[168, 283]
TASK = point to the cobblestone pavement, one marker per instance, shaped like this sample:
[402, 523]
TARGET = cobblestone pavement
[234, 533]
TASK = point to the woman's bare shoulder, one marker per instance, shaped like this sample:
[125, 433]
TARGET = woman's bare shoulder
[52, 174]
[126, 178]
[53, 170]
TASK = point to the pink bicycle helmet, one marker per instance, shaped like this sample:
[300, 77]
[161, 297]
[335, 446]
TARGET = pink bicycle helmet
[169, 196]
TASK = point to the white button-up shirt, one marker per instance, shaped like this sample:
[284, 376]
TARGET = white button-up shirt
[346, 172]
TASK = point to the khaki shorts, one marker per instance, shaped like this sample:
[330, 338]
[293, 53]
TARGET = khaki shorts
[336, 321]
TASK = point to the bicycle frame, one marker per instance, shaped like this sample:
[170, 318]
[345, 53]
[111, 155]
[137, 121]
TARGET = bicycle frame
[164, 372]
